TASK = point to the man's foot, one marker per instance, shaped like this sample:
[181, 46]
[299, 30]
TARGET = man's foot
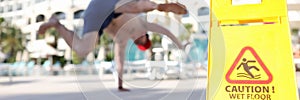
[172, 7]
[121, 89]
[53, 22]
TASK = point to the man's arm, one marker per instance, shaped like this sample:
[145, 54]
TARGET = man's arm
[159, 29]
[119, 56]
[82, 46]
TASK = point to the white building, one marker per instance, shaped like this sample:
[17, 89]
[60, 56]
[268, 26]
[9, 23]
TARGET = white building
[28, 14]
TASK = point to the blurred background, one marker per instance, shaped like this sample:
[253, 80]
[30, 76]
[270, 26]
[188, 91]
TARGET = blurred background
[25, 53]
[30, 53]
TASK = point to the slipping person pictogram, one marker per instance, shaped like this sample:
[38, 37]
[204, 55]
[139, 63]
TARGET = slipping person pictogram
[247, 68]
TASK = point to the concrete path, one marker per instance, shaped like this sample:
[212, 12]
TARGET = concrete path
[93, 88]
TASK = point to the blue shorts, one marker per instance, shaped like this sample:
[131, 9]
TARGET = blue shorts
[98, 15]
[107, 21]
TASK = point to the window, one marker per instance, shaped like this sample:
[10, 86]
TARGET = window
[8, 19]
[19, 6]
[18, 17]
[60, 15]
[40, 18]
[9, 8]
[28, 4]
[39, 1]
[78, 14]
[29, 21]
[203, 11]
[186, 15]
[1, 9]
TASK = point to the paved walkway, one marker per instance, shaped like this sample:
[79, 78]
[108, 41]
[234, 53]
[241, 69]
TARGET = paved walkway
[93, 88]
[104, 88]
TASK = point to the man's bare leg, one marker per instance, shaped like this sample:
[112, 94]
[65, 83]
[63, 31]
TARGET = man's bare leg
[83, 45]
[62, 30]
[146, 5]
[176, 8]
[53, 22]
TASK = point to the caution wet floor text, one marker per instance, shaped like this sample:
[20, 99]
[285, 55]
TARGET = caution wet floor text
[250, 56]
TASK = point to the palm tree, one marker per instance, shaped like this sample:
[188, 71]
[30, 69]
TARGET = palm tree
[186, 36]
[105, 41]
[11, 40]
[53, 32]
[1, 21]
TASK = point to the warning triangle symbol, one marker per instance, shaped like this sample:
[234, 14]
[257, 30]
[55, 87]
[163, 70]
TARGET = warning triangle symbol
[248, 68]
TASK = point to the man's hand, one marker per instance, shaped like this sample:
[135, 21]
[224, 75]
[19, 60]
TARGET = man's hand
[53, 22]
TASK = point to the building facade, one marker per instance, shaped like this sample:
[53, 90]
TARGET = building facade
[29, 14]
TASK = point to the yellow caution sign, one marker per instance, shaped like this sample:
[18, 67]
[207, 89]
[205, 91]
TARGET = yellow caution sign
[250, 56]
